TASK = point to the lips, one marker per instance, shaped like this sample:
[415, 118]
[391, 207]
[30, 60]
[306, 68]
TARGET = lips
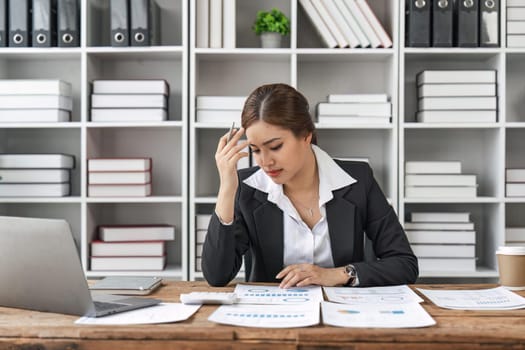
[274, 173]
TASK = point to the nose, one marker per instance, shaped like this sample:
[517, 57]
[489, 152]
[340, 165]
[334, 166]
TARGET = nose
[265, 159]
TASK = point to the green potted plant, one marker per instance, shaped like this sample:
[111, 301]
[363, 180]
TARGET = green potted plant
[271, 26]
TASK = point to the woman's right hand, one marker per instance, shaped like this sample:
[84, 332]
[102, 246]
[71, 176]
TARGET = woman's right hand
[226, 157]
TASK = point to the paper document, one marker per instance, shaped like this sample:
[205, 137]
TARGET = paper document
[161, 313]
[497, 298]
[269, 316]
[408, 315]
[256, 294]
[372, 295]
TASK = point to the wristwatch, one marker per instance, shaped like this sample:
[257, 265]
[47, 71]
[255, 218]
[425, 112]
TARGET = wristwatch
[352, 274]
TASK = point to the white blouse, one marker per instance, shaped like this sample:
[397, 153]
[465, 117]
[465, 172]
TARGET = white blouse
[302, 244]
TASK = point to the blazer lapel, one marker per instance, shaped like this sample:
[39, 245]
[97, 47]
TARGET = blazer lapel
[341, 222]
[268, 220]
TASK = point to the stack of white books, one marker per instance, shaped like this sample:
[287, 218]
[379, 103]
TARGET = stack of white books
[515, 236]
[35, 101]
[345, 109]
[131, 247]
[346, 23]
[35, 175]
[119, 177]
[215, 24]
[457, 96]
[515, 182]
[201, 228]
[129, 100]
[219, 109]
[438, 179]
[442, 240]
[515, 23]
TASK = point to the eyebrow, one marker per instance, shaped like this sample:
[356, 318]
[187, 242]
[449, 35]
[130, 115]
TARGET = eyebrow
[266, 142]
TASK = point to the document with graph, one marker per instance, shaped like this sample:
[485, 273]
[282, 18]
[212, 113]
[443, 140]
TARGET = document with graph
[372, 295]
[260, 294]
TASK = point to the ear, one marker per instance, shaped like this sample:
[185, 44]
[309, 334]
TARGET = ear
[308, 138]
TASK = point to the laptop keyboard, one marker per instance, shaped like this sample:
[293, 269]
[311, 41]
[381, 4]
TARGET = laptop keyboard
[104, 306]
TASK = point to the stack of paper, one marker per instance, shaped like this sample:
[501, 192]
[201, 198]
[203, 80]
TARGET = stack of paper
[443, 241]
[119, 177]
[347, 109]
[515, 182]
[35, 100]
[131, 247]
[35, 175]
[219, 109]
[129, 100]
[457, 96]
[438, 179]
[515, 23]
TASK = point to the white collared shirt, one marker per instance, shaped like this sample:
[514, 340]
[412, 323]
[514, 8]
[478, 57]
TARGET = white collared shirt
[302, 245]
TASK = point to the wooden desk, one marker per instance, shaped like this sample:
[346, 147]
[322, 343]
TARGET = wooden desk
[23, 329]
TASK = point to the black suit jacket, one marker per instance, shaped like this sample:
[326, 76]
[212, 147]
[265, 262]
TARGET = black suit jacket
[258, 229]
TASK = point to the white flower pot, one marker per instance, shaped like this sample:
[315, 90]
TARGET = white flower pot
[270, 40]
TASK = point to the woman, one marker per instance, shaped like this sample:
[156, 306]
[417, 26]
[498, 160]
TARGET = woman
[300, 215]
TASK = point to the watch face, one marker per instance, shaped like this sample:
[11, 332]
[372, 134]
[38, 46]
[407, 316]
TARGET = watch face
[350, 270]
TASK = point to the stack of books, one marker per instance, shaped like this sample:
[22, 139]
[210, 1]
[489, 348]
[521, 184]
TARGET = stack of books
[219, 109]
[35, 175]
[515, 23]
[515, 236]
[515, 182]
[215, 24]
[346, 23]
[438, 179]
[442, 240]
[35, 101]
[132, 247]
[129, 100]
[119, 177]
[347, 109]
[201, 228]
[457, 96]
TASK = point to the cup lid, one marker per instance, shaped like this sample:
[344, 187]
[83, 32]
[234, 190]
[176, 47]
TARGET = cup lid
[511, 250]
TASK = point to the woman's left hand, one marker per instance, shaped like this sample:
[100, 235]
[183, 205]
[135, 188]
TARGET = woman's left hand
[300, 275]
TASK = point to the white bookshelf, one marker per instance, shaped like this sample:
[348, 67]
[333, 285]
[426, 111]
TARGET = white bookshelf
[185, 176]
[165, 142]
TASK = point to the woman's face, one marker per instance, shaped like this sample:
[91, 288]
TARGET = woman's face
[278, 151]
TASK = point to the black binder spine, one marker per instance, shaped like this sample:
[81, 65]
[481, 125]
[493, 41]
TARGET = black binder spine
[467, 23]
[489, 23]
[140, 22]
[68, 23]
[442, 23]
[119, 22]
[44, 21]
[3, 23]
[418, 23]
[19, 23]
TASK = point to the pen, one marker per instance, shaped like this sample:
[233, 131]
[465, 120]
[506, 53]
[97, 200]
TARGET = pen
[231, 132]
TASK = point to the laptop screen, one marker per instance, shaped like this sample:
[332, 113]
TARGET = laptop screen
[40, 268]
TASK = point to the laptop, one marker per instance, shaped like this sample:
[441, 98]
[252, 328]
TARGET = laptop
[40, 270]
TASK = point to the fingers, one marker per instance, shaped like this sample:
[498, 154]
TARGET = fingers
[295, 275]
[228, 139]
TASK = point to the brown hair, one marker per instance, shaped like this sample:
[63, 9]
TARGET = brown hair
[280, 105]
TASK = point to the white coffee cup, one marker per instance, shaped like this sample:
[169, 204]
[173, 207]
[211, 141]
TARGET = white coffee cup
[511, 265]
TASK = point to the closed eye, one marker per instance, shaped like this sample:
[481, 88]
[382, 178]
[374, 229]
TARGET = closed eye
[276, 148]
